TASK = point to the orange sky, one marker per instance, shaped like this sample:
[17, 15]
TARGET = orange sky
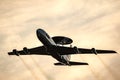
[89, 23]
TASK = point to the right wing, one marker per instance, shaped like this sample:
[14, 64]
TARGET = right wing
[37, 50]
[68, 50]
[93, 50]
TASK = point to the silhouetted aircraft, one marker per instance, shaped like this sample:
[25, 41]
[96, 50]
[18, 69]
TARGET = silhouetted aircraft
[53, 46]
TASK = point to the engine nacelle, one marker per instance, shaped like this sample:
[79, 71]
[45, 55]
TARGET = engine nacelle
[15, 52]
[76, 49]
[25, 50]
[94, 51]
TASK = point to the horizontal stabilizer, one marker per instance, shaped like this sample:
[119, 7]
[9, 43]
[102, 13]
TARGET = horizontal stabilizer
[72, 63]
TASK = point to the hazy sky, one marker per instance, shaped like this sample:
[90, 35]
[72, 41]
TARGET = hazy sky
[90, 23]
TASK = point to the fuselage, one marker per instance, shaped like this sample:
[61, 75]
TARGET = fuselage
[48, 42]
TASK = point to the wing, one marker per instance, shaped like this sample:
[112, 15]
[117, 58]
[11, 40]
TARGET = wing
[68, 50]
[93, 50]
[37, 51]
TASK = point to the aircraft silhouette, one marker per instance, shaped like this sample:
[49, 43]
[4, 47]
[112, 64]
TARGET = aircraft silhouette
[53, 46]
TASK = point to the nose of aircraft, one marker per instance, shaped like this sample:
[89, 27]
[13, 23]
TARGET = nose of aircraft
[37, 31]
[40, 33]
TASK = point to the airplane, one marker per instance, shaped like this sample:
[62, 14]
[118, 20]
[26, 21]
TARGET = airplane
[54, 46]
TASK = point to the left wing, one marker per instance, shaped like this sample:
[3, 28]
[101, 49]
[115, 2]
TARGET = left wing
[37, 50]
[74, 50]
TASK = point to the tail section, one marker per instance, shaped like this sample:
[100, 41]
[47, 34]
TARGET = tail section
[71, 63]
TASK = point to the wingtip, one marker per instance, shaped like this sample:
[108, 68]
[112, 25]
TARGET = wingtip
[114, 51]
[9, 53]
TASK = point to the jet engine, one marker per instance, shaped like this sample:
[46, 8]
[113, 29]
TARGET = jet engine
[76, 49]
[25, 50]
[94, 51]
[15, 52]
